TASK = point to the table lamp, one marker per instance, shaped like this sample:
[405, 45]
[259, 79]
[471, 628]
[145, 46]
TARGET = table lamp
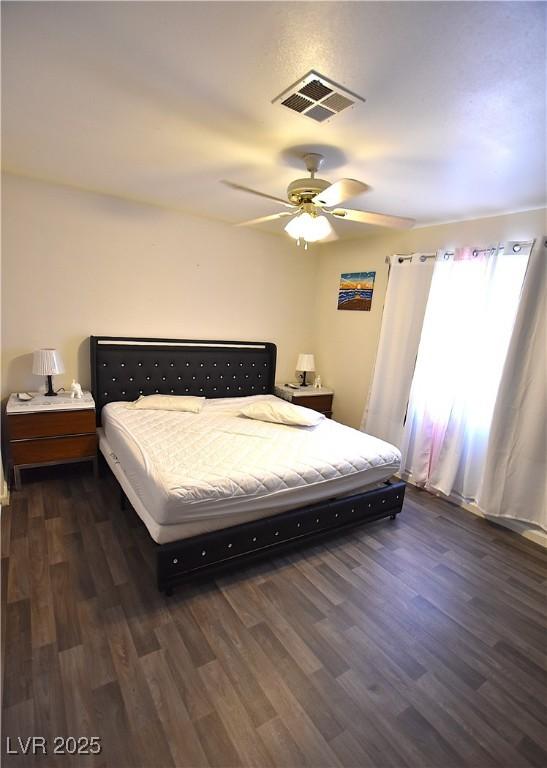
[47, 362]
[304, 364]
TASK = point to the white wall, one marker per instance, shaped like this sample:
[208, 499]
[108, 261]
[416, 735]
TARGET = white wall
[346, 342]
[77, 263]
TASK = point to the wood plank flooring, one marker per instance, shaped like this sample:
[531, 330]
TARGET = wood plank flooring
[409, 644]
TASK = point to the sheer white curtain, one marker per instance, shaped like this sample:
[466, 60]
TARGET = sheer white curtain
[467, 326]
[404, 309]
[514, 484]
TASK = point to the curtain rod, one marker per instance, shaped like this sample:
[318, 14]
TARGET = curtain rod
[407, 257]
[423, 257]
[516, 246]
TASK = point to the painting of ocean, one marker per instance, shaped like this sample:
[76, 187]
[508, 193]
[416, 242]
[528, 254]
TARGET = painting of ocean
[356, 289]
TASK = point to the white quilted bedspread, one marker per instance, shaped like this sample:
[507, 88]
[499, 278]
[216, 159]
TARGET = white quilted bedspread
[218, 455]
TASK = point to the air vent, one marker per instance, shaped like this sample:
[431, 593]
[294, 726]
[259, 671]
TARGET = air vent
[337, 102]
[316, 90]
[296, 102]
[317, 97]
[319, 113]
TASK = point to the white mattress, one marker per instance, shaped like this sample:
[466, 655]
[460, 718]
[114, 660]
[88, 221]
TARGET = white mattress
[191, 473]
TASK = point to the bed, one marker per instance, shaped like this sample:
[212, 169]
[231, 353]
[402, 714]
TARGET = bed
[214, 488]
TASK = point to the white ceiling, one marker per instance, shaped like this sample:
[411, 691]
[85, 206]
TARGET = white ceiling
[159, 101]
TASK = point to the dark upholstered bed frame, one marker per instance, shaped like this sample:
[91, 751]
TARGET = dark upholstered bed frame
[123, 368]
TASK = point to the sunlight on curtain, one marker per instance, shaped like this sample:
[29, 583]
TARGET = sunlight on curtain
[514, 484]
[467, 326]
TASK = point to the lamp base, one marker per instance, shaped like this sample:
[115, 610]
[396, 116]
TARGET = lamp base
[50, 392]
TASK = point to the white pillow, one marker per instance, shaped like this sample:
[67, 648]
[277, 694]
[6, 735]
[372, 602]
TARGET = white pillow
[281, 412]
[169, 403]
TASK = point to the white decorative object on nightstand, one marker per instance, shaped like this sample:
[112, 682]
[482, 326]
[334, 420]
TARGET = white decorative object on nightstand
[76, 390]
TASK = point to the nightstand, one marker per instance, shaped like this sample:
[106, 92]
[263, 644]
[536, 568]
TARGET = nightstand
[310, 397]
[50, 430]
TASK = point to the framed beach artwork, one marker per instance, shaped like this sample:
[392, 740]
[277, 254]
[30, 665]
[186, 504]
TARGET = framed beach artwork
[356, 290]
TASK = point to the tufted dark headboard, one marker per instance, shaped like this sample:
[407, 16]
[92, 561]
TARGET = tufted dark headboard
[124, 368]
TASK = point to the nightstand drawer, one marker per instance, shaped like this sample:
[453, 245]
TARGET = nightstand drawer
[321, 403]
[53, 449]
[28, 425]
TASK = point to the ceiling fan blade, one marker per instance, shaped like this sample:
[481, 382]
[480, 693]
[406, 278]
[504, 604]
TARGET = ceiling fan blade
[340, 191]
[254, 192]
[379, 219]
[264, 218]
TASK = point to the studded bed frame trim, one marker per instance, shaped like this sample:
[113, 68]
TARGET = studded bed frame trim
[224, 549]
[122, 368]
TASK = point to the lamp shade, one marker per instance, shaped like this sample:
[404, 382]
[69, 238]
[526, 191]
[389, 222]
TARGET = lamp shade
[305, 362]
[47, 362]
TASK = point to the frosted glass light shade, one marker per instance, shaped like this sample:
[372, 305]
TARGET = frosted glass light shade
[309, 228]
[47, 362]
[318, 229]
[305, 362]
[295, 226]
[292, 228]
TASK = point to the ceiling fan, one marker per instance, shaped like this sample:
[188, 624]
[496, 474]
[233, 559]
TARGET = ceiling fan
[309, 199]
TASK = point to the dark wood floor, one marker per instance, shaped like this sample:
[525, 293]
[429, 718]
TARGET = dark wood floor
[419, 642]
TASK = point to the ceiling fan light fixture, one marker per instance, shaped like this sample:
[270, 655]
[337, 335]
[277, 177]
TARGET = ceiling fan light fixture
[308, 228]
[294, 226]
[321, 229]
